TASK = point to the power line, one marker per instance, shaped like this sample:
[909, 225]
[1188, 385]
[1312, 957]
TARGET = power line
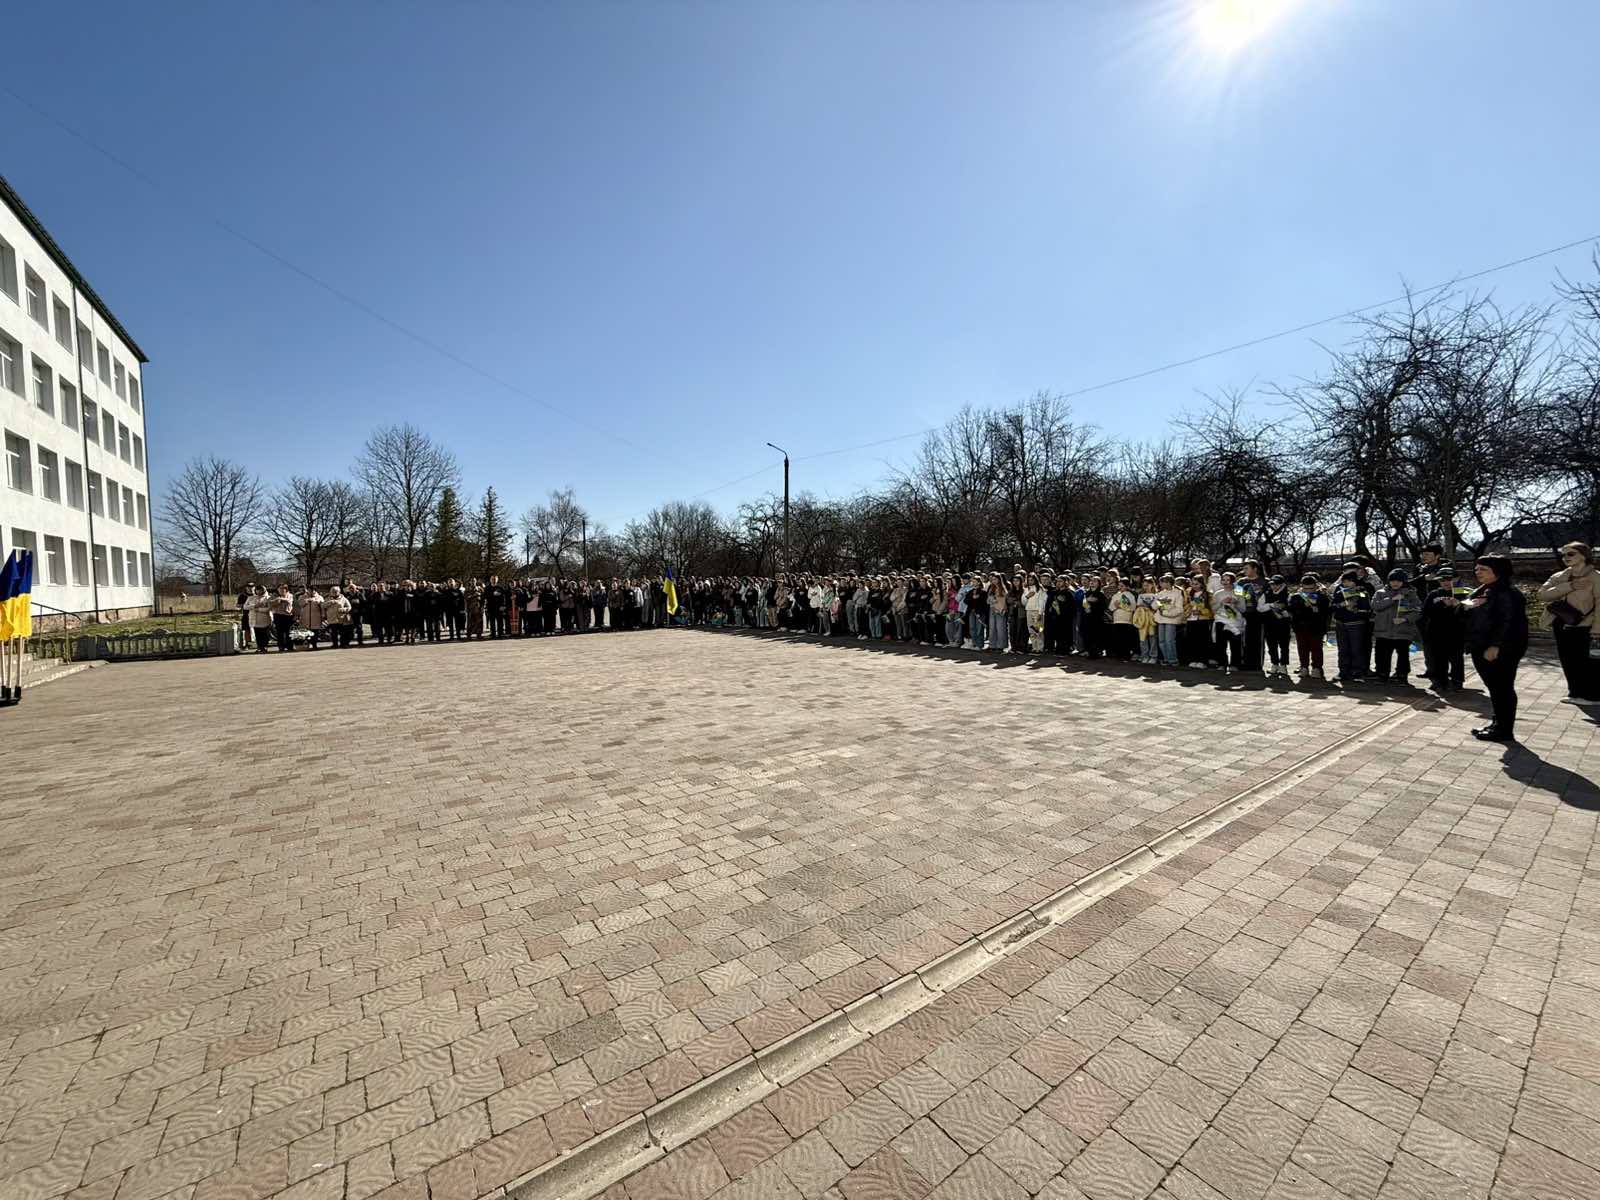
[316, 280]
[1258, 341]
[1185, 362]
[490, 376]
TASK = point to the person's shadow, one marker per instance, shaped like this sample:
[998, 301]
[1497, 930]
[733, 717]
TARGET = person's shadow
[1525, 766]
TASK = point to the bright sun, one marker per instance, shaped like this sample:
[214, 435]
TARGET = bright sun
[1229, 25]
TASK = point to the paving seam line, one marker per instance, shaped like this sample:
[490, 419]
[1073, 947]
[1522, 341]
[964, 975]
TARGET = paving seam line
[607, 1158]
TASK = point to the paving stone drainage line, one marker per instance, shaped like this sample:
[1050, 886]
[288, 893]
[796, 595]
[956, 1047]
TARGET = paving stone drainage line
[607, 1158]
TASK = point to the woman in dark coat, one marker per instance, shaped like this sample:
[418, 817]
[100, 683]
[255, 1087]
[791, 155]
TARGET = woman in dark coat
[1497, 635]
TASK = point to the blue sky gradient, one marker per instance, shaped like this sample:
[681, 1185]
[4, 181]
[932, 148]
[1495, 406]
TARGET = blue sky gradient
[693, 228]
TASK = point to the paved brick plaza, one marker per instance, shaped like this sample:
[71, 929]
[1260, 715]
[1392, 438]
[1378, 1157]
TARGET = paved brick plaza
[414, 922]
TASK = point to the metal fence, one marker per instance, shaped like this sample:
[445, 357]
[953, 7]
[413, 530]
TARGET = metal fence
[135, 647]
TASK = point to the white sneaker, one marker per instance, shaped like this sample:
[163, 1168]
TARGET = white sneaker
[1227, 670]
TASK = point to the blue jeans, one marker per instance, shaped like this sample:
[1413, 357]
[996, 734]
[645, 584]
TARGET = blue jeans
[1147, 647]
[875, 624]
[952, 628]
[1167, 640]
[978, 629]
[999, 624]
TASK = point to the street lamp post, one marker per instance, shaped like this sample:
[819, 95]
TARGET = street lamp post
[785, 454]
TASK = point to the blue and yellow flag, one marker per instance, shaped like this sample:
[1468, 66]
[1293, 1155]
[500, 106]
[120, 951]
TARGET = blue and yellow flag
[670, 587]
[22, 604]
[16, 601]
[10, 577]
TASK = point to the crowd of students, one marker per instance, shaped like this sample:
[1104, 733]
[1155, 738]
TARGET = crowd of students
[404, 612]
[1199, 619]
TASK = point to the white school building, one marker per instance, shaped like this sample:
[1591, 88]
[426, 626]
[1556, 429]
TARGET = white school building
[76, 489]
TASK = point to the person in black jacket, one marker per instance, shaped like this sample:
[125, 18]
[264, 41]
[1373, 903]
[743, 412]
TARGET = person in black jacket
[494, 606]
[1442, 626]
[1497, 635]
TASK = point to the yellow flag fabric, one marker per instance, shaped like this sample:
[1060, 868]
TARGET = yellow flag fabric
[671, 589]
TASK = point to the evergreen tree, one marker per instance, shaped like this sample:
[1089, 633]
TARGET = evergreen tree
[450, 554]
[491, 530]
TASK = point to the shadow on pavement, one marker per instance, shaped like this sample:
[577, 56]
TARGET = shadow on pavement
[1525, 766]
[1370, 693]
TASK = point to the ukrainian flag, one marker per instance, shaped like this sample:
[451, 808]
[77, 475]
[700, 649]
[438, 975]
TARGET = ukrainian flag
[16, 599]
[670, 587]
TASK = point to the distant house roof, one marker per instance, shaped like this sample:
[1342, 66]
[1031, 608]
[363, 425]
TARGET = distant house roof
[25, 215]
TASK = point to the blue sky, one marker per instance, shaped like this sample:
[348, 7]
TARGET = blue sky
[694, 228]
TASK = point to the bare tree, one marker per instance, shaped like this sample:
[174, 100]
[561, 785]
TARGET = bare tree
[310, 520]
[376, 534]
[554, 530]
[407, 470]
[207, 516]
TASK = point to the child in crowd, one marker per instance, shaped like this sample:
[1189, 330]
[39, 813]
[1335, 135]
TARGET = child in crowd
[1144, 620]
[1310, 610]
[1442, 625]
[1093, 618]
[1197, 651]
[1352, 625]
[1227, 605]
[1124, 636]
[1170, 618]
[1273, 605]
[1394, 626]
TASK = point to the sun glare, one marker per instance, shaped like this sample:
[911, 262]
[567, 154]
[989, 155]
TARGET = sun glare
[1227, 26]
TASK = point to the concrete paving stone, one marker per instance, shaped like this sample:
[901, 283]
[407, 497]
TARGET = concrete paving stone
[1402, 935]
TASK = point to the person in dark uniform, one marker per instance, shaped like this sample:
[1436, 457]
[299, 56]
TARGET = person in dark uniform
[377, 606]
[1497, 635]
[453, 607]
[357, 595]
[494, 606]
[1442, 627]
[409, 614]
[597, 605]
[549, 606]
[472, 599]
[429, 610]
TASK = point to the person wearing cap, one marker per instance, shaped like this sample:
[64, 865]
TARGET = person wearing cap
[1497, 636]
[1310, 610]
[1394, 626]
[1442, 626]
[1352, 625]
[1273, 605]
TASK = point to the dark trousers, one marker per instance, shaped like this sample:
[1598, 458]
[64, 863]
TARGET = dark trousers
[1446, 661]
[1230, 647]
[458, 621]
[1196, 646]
[339, 635]
[1252, 641]
[1309, 643]
[1399, 649]
[497, 623]
[1124, 641]
[280, 629]
[1277, 638]
[1355, 648]
[430, 625]
[1500, 677]
[244, 622]
[1572, 647]
[358, 629]
[599, 611]
[263, 636]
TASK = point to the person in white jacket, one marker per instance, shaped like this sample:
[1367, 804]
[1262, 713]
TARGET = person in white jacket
[1034, 599]
[821, 597]
[1170, 616]
[258, 611]
[1227, 607]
